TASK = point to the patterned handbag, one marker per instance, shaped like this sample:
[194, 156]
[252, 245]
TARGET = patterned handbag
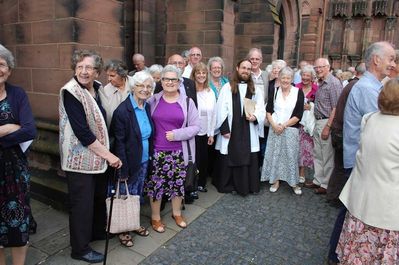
[125, 215]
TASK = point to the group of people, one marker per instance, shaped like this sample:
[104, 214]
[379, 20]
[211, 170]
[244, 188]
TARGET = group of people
[144, 126]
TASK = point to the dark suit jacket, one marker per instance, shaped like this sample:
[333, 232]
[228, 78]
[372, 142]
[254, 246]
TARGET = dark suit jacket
[189, 85]
[128, 146]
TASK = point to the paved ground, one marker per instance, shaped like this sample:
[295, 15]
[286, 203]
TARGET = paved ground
[280, 228]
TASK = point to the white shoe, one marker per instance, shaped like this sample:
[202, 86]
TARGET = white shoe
[274, 187]
[297, 190]
[302, 180]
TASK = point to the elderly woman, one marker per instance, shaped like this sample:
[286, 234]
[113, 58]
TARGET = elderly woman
[84, 154]
[284, 111]
[117, 89]
[370, 233]
[176, 125]
[277, 65]
[155, 71]
[216, 78]
[206, 101]
[132, 129]
[309, 89]
[17, 126]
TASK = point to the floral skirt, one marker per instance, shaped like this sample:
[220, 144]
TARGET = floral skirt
[167, 175]
[361, 244]
[14, 197]
[305, 149]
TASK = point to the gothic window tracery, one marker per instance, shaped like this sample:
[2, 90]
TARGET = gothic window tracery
[380, 7]
[340, 8]
[359, 8]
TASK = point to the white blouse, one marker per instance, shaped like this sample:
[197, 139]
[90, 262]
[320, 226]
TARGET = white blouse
[283, 108]
[206, 109]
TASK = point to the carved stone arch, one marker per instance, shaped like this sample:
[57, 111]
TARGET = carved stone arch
[292, 26]
[305, 9]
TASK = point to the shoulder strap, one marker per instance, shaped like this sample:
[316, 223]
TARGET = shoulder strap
[190, 158]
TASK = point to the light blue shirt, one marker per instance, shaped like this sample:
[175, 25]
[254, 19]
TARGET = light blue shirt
[145, 127]
[362, 99]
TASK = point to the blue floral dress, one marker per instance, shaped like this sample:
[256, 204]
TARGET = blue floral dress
[14, 189]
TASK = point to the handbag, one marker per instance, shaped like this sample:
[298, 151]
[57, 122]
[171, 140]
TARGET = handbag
[125, 215]
[192, 170]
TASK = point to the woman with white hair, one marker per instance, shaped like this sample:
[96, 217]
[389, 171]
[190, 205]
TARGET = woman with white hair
[309, 89]
[283, 111]
[17, 126]
[176, 123]
[216, 78]
[132, 129]
[155, 71]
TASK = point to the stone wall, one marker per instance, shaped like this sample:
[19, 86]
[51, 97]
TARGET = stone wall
[42, 35]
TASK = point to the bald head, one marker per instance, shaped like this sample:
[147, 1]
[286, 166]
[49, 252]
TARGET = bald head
[138, 61]
[195, 56]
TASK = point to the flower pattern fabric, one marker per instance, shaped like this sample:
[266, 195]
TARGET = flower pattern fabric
[361, 244]
[305, 149]
[14, 190]
[167, 175]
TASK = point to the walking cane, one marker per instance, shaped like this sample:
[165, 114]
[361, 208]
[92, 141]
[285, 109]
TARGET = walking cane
[109, 219]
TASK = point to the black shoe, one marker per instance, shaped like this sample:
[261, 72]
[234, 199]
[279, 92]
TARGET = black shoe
[202, 189]
[188, 199]
[32, 226]
[194, 195]
[91, 257]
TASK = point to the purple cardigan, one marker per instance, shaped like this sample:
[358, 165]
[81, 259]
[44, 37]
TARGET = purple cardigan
[185, 133]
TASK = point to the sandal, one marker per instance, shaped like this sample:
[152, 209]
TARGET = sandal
[126, 240]
[179, 220]
[158, 226]
[142, 231]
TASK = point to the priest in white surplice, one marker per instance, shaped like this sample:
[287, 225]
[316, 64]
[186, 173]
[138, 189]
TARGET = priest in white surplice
[238, 139]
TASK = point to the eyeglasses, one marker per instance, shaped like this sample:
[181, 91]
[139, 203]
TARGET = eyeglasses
[142, 87]
[167, 80]
[88, 68]
[3, 66]
[196, 54]
[176, 63]
[319, 67]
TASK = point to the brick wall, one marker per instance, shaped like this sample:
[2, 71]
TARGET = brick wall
[42, 35]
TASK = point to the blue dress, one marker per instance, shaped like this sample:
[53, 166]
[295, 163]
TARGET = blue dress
[14, 189]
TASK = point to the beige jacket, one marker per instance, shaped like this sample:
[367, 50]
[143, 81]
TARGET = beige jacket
[372, 191]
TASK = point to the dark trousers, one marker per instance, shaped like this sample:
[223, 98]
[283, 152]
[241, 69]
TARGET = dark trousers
[339, 223]
[201, 158]
[262, 145]
[87, 214]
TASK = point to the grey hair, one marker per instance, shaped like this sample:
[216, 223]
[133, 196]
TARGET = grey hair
[155, 68]
[360, 68]
[254, 50]
[118, 66]
[279, 63]
[286, 71]
[7, 56]
[79, 55]
[377, 48]
[140, 77]
[215, 59]
[185, 54]
[138, 56]
[308, 69]
[171, 68]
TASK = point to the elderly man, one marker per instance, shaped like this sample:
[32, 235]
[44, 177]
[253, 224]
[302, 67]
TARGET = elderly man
[324, 110]
[259, 77]
[138, 63]
[187, 87]
[195, 57]
[380, 61]
[238, 141]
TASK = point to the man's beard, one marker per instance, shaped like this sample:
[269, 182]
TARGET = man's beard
[243, 79]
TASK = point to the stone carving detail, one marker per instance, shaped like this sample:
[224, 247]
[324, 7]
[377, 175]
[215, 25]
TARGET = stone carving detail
[359, 8]
[340, 9]
[390, 24]
[380, 7]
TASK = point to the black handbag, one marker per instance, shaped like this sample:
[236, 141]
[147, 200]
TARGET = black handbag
[192, 170]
